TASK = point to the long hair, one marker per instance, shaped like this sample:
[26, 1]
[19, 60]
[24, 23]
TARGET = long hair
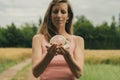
[47, 28]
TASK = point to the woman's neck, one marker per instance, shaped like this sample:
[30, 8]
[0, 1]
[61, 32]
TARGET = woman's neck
[64, 33]
[61, 30]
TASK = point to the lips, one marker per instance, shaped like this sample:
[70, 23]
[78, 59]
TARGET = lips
[59, 21]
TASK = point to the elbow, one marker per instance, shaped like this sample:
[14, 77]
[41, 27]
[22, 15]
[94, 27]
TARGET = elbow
[35, 73]
[78, 74]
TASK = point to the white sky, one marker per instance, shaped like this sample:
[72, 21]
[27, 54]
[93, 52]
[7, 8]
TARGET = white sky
[22, 11]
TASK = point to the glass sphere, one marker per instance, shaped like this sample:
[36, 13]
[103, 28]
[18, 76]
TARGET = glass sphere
[58, 39]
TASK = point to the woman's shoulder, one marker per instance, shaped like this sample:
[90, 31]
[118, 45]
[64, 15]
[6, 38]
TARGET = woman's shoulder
[78, 38]
[37, 37]
[79, 41]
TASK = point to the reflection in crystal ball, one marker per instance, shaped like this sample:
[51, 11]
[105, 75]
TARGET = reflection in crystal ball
[58, 39]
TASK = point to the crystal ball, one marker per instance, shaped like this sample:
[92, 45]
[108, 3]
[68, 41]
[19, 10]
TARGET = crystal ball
[59, 40]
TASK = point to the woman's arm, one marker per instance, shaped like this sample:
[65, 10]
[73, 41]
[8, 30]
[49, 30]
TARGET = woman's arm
[40, 61]
[76, 62]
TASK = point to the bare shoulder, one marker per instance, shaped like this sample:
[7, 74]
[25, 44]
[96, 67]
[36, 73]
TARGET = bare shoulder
[79, 38]
[79, 41]
[37, 37]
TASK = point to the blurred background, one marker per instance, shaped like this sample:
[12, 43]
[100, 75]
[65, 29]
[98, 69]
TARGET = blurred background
[97, 21]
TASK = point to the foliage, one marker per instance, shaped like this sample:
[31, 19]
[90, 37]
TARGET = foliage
[102, 36]
[98, 37]
[11, 36]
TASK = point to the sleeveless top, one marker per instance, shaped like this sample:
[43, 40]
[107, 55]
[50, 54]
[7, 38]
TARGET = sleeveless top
[57, 69]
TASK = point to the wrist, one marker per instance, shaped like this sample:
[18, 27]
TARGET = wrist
[66, 55]
[49, 55]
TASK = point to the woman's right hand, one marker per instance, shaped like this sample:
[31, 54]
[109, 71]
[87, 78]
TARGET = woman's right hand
[52, 49]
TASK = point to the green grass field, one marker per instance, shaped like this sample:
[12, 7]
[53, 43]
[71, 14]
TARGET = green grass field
[12, 56]
[101, 72]
[99, 64]
[91, 72]
[23, 74]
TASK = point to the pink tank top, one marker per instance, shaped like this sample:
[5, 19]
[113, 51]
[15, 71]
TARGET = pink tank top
[58, 68]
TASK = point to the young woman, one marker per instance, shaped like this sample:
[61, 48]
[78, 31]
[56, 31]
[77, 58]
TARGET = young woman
[68, 63]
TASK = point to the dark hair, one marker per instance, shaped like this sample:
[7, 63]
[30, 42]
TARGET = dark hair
[47, 28]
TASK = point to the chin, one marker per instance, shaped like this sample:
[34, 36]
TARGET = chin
[60, 24]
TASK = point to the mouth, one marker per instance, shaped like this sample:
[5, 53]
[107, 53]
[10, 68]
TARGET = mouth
[59, 21]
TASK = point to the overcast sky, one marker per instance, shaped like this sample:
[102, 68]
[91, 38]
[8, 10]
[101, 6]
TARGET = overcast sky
[22, 11]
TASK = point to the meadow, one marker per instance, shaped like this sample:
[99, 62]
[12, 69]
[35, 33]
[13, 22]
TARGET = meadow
[99, 64]
[102, 57]
[13, 56]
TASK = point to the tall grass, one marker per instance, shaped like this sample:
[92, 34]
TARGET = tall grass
[91, 72]
[99, 65]
[101, 72]
[102, 57]
[12, 56]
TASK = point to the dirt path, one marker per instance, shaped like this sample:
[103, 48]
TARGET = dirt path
[9, 73]
[29, 74]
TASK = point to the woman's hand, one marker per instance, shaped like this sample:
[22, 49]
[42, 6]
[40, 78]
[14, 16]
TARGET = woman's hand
[43, 63]
[52, 49]
[62, 51]
[59, 49]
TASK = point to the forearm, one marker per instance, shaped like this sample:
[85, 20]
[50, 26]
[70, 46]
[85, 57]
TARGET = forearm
[75, 69]
[41, 66]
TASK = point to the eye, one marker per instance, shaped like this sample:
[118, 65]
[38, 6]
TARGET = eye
[55, 11]
[63, 12]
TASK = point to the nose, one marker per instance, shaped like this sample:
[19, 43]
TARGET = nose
[59, 14]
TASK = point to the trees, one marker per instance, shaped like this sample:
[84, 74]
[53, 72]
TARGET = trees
[27, 32]
[98, 37]
[83, 27]
[3, 40]
[11, 36]
[102, 36]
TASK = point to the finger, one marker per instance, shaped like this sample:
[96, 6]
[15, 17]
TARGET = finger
[52, 49]
[53, 46]
[64, 51]
[58, 51]
[47, 46]
[60, 44]
[61, 51]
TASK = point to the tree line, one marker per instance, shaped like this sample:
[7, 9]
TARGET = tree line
[101, 36]
[12, 36]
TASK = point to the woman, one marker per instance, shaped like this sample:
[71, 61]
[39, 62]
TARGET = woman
[68, 63]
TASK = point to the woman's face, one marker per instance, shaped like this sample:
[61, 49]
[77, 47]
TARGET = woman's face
[59, 14]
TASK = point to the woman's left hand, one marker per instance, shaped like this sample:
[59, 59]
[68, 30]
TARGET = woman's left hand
[62, 51]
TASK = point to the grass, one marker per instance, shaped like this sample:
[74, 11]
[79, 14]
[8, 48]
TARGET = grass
[99, 64]
[91, 72]
[23, 74]
[12, 56]
[102, 57]
[101, 72]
